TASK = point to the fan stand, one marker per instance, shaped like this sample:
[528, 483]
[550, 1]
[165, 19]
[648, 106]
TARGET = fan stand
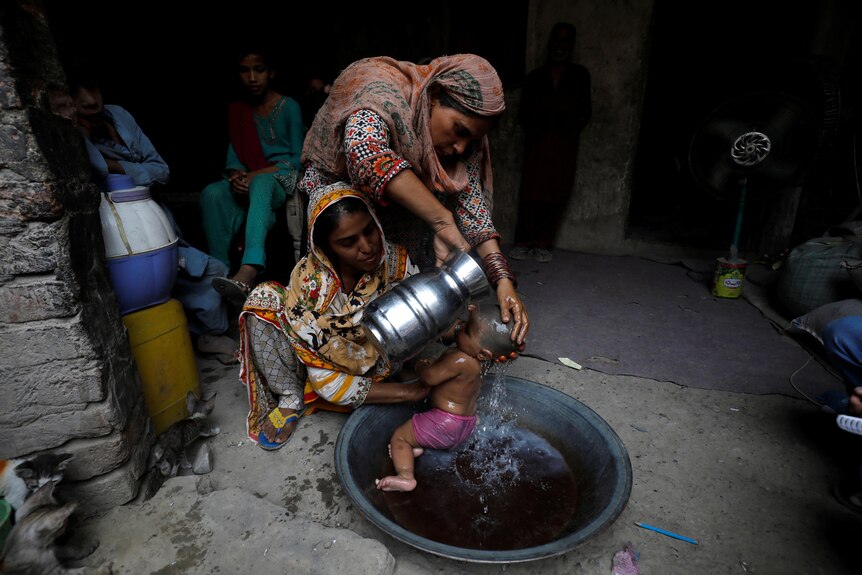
[740, 211]
[748, 151]
[730, 272]
[756, 145]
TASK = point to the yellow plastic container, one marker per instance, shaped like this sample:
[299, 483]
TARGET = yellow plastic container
[160, 341]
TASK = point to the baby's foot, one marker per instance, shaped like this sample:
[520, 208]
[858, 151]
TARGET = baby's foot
[395, 483]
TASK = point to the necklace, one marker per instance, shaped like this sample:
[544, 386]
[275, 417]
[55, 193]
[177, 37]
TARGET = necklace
[267, 124]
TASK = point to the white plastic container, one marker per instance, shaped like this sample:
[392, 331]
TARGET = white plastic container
[141, 248]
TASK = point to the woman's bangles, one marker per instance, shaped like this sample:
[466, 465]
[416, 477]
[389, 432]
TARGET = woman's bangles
[497, 268]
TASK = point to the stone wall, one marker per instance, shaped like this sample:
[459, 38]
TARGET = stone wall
[67, 377]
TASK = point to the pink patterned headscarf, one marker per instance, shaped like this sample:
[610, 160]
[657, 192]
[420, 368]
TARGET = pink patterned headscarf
[398, 92]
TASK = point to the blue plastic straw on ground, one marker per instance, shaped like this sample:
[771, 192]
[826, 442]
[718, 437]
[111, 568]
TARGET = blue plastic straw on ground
[668, 533]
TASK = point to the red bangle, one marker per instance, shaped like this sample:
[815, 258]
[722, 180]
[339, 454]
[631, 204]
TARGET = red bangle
[496, 268]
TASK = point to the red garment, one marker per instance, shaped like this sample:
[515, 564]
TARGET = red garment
[243, 136]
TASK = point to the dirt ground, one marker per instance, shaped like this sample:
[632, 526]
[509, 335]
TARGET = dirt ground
[747, 476]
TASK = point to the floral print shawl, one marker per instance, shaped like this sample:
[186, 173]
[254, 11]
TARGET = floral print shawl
[323, 328]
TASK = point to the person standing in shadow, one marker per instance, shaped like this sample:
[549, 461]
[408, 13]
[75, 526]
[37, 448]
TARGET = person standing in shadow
[555, 106]
[313, 96]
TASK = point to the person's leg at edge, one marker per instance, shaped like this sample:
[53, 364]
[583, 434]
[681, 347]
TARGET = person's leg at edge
[273, 357]
[221, 217]
[549, 216]
[525, 229]
[842, 341]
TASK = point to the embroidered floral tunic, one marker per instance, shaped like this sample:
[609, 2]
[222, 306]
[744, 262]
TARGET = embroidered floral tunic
[371, 164]
[376, 123]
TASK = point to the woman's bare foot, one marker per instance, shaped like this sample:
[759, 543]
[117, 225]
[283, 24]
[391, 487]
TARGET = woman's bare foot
[395, 483]
[272, 434]
[236, 289]
[245, 274]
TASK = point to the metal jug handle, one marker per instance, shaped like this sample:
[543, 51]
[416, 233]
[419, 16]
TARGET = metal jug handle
[464, 269]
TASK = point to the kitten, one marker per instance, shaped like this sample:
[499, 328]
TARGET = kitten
[169, 451]
[21, 477]
[30, 546]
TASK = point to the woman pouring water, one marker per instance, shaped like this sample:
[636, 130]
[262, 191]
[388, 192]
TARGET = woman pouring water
[414, 140]
[303, 344]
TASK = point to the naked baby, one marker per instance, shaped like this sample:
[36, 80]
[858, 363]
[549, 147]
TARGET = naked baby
[455, 379]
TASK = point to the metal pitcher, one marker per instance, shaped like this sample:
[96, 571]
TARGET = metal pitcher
[419, 309]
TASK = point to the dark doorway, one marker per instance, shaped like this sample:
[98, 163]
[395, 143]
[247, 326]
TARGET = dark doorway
[169, 65]
[703, 55]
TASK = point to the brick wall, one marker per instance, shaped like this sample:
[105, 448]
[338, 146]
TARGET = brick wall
[67, 377]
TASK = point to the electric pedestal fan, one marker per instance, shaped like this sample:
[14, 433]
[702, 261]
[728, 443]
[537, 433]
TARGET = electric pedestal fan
[755, 145]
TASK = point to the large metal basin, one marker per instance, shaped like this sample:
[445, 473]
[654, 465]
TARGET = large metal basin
[592, 450]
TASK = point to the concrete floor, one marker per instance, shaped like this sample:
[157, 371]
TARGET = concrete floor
[748, 476]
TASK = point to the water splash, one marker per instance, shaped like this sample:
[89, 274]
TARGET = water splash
[489, 460]
[506, 488]
[494, 407]
[490, 457]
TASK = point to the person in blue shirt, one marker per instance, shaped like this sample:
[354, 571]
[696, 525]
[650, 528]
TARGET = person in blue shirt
[263, 161]
[117, 145]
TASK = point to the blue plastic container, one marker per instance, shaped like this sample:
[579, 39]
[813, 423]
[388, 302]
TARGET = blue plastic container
[116, 182]
[144, 280]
